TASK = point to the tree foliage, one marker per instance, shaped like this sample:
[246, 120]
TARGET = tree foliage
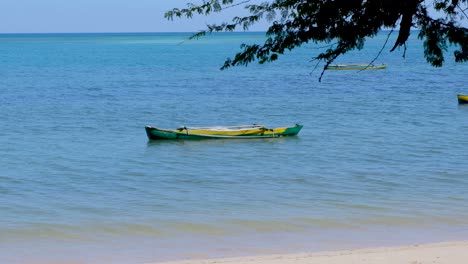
[344, 24]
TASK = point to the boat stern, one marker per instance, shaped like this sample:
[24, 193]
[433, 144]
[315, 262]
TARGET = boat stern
[156, 133]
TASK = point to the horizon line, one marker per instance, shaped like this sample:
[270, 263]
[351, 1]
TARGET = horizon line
[125, 32]
[138, 32]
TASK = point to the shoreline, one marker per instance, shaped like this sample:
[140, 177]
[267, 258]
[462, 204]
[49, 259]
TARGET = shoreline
[452, 252]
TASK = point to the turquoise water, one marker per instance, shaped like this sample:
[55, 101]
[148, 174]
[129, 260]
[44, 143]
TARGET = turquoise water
[381, 159]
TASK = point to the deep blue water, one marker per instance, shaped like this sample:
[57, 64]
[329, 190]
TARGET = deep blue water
[381, 159]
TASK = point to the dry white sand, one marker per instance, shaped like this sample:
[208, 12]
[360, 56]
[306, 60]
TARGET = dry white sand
[439, 253]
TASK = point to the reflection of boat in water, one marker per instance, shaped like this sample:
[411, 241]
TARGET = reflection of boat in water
[462, 99]
[226, 132]
[363, 66]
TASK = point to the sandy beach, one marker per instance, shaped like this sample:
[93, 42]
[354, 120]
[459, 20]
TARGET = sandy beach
[437, 253]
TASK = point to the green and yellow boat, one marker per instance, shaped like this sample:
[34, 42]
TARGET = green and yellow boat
[226, 132]
[462, 99]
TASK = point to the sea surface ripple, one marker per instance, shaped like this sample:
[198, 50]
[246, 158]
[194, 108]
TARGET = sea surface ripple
[380, 160]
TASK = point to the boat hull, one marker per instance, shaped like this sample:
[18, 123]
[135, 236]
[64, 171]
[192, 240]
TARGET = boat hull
[462, 99]
[155, 133]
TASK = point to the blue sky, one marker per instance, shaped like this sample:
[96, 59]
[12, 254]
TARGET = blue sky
[50, 16]
[46, 16]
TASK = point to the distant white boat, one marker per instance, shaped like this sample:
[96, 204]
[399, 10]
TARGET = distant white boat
[362, 66]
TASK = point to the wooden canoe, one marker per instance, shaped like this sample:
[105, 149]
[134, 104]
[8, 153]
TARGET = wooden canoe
[233, 132]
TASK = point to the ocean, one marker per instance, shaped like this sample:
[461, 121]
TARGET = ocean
[380, 161]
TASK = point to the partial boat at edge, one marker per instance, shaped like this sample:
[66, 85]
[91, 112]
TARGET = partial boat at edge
[462, 99]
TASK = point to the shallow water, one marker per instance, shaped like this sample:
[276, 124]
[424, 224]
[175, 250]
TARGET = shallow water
[380, 159]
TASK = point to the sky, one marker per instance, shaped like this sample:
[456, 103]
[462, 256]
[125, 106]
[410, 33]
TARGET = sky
[71, 16]
[76, 16]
